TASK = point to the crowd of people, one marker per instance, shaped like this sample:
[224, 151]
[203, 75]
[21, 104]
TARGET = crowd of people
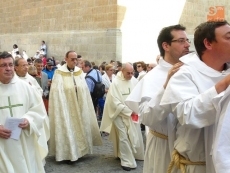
[182, 101]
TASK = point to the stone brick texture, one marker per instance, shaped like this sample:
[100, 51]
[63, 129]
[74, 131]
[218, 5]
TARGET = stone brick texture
[90, 27]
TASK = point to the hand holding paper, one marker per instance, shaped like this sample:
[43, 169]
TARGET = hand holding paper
[13, 125]
[24, 124]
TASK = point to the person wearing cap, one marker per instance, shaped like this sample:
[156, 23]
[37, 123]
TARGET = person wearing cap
[37, 54]
[49, 68]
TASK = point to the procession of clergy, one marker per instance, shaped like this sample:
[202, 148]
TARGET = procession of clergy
[183, 102]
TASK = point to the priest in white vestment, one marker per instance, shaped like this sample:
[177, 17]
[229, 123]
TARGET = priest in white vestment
[190, 92]
[24, 155]
[73, 125]
[118, 120]
[21, 70]
[145, 99]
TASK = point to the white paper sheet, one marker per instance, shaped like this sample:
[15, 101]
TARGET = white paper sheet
[12, 124]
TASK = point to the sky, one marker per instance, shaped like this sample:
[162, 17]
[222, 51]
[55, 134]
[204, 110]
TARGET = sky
[141, 25]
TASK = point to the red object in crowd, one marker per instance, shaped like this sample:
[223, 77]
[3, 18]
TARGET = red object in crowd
[134, 117]
[44, 61]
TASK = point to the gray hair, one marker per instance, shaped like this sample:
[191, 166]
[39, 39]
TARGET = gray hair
[125, 64]
[16, 62]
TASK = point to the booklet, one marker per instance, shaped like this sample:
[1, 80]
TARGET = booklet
[12, 124]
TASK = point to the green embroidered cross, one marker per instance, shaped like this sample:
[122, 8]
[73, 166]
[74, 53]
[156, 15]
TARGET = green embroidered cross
[126, 93]
[10, 106]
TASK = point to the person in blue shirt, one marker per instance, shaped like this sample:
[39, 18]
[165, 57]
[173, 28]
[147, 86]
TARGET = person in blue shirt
[49, 69]
[87, 68]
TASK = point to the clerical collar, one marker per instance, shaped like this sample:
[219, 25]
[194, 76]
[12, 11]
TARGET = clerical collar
[70, 69]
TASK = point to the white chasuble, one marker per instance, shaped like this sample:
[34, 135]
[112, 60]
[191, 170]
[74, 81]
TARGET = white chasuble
[115, 107]
[73, 125]
[145, 99]
[33, 82]
[26, 154]
[189, 95]
[38, 92]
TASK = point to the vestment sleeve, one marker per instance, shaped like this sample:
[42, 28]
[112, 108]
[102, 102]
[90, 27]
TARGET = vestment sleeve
[191, 107]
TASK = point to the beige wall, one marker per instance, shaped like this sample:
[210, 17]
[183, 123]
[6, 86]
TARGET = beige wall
[196, 11]
[91, 27]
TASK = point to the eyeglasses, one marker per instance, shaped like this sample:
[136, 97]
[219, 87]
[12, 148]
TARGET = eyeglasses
[74, 59]
[6, 65]
[181, 41]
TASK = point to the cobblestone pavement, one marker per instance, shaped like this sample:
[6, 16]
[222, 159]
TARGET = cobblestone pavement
[102, 161]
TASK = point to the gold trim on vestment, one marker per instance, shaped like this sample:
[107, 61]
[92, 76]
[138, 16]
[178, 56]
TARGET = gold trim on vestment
[159, 135]
[180, 162]
[77, 73]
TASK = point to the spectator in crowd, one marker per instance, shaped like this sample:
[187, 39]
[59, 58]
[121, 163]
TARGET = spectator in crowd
[93, 63]
[32, 70]
[150, 66]
[43, 58]
[29, 61]
[52, 58]
[57, 62]
[107, 79]
[24, 55]
[37, 54]
[49, 69]
[15, 49]
[136, 73]
[112, 62]
[102, 69]
[95, 74]
[95, 67]
[119, 66]
[18, 55]
[141, 68]
[43, 48]
[63, 62]
[79, 61]
[43, 81]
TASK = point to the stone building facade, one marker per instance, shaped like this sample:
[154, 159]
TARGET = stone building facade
[91, 27]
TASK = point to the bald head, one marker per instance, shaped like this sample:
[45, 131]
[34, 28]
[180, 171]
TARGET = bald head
[150, 66]
[127, 70]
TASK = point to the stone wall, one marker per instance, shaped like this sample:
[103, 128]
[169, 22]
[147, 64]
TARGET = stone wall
[91, 27]
[196, 11]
